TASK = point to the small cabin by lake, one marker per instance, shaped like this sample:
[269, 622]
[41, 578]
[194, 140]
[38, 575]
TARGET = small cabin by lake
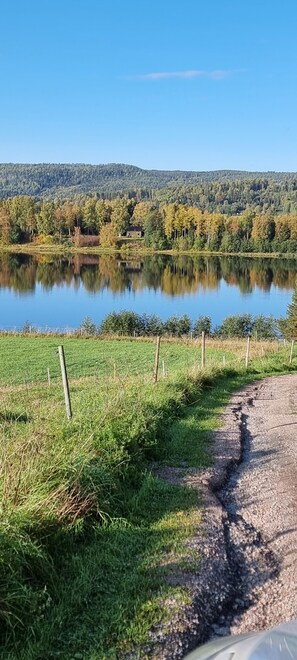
[134, 231]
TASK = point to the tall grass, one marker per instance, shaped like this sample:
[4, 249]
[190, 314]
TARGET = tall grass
[83, 522]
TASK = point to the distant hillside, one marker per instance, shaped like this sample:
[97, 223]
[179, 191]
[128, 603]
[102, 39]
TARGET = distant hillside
[59, 180]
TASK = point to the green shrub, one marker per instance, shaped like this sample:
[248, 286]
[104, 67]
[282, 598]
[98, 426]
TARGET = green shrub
[177, 325]
[87, 327]
[236, 326]
[122, 323]
[152, 324]
[265, 327]
[203, 324]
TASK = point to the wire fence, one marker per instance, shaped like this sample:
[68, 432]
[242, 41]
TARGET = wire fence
[34, 359]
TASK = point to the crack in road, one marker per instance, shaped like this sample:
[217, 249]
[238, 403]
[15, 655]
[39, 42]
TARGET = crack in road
[251, 562]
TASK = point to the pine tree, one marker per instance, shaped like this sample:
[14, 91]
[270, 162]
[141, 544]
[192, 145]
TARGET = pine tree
[290, 330]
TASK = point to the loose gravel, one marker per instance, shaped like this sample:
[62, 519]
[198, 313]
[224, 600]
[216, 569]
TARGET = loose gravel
[248, 537]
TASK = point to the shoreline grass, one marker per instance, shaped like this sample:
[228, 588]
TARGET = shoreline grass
[134, 250]
[85, 525]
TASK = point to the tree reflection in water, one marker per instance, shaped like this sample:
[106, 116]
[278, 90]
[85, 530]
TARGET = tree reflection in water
[172, 275]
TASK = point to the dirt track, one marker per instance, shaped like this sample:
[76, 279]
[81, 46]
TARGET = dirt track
[261, 503]
[248, 538]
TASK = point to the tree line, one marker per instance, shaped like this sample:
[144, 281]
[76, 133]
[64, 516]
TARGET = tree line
[209, 189]
[128, 323]
[163, 225]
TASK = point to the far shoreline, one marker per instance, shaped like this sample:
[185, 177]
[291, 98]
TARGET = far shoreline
[132, 251]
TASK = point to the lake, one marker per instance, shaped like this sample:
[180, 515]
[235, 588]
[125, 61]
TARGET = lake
[60, 291]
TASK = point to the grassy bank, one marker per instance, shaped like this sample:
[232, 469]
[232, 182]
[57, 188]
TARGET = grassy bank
[85, 525]
[132, 248]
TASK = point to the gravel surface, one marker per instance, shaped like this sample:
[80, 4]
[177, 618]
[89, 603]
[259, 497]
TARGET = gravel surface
[261, 502]
[248, 537]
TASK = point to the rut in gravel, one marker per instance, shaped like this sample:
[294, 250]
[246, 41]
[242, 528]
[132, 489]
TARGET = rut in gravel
[259, 500]
[252, 564]
[248, 534]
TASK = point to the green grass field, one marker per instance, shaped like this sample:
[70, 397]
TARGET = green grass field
[84, 523]
[25, 359]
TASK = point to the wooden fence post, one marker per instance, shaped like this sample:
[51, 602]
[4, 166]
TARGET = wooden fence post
[291, 351]
[65, 382]
[49, 377]
[247, 355]
[203, 349]
[155, 378]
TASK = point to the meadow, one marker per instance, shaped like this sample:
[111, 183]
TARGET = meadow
[85, 520]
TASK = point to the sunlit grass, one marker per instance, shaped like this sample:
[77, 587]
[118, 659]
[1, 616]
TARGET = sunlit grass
[84, 524]
[27, 359]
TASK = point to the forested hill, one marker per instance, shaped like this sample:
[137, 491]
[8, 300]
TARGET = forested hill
[48, 181]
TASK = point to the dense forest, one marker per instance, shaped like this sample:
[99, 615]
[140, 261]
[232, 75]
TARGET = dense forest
[227, 191]
[91, 220]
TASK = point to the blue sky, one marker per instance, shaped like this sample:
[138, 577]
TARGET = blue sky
[161, 84]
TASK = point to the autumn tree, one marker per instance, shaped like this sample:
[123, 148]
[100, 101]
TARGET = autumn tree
[22, 211]
[263, 231]
[73, 215]
[45, 219]
[103, 213]
[141, 211]
[169, 219]
[246, 223]
[89, 215]
[5, 226]
[108, 235]
[120, 215]
[59, 222]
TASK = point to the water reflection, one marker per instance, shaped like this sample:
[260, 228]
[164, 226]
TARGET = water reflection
[174, 276]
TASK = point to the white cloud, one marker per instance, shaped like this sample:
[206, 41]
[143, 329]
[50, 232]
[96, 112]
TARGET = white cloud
[218, 74]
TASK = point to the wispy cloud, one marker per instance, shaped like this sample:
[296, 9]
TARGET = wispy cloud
[219, 74]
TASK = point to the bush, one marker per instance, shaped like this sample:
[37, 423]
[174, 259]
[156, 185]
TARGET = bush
[289, 325]
[44, 239]
[265, 327]
[203, 324]
[87, 327]
[177, 326]
[152, 324]
[122, 323]
[236, 326]
[126, 323]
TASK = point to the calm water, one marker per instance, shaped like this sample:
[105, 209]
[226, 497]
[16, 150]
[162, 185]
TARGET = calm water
[59, 292]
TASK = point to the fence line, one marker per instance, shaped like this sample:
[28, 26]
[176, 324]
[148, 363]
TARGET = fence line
[19, 368]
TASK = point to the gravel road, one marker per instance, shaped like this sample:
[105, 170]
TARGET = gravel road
[246, 580]
[261, 502]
